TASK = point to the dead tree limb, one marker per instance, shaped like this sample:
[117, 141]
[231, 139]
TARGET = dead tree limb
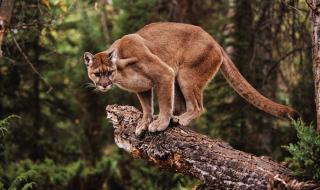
[213, 161]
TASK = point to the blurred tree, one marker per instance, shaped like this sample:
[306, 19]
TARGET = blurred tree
[314, 4]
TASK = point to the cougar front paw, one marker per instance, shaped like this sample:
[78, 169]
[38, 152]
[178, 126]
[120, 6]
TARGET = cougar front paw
[159, 125]
[142, 126]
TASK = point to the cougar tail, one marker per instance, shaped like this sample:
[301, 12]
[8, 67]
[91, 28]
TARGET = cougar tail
[245, 90]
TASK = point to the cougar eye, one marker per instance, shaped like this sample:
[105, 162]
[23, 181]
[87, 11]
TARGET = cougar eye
[97, 74]
[109, 73]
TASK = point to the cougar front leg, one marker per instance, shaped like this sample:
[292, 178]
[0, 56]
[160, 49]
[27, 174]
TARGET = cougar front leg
[165, 94]
[146, 101]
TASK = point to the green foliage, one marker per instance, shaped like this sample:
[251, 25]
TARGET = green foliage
[50, 175]
[24, 181]
[305, 153]
[4, 123]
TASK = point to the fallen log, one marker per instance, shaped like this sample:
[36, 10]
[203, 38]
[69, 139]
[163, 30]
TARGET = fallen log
[212, 161]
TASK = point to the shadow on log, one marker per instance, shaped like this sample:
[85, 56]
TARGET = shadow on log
[212, 161]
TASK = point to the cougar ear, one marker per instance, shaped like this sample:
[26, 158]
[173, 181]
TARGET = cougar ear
[113, 56]
[88, 58]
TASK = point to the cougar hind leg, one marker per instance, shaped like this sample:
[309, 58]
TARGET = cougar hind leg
[193, 96]
[192, 81]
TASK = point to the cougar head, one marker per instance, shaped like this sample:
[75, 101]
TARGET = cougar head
[101, 69]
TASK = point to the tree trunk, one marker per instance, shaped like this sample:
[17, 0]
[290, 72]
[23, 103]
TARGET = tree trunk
[212, 161]
[5, 16]
[104, 21]
[229, 29]
[316, 55]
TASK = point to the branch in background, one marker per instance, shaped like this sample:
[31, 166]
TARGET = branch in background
[212, 161]
[298, 10]
[285, 56]
[31, 65]
[313, 6]
[30, 25]
[6, 8]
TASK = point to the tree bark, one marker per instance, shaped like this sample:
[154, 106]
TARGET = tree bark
[6, 7]
[212, 161]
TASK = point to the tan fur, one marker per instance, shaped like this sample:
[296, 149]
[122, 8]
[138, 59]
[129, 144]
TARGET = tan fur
[176, 61]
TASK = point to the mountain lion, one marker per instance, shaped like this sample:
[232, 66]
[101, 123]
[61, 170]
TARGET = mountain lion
[176, 61]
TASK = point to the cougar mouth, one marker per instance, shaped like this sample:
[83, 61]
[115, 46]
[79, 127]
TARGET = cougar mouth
[104, 88]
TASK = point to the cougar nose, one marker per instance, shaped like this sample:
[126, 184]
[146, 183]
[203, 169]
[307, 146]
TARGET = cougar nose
[102, 84]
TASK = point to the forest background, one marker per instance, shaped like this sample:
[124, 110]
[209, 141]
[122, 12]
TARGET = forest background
[57, 135]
